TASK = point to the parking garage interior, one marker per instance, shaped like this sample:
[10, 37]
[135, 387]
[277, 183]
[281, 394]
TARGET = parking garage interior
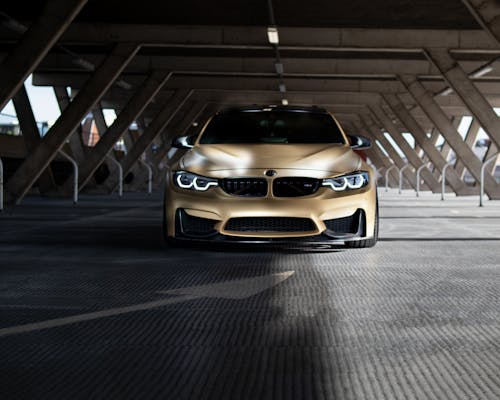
[94, 304]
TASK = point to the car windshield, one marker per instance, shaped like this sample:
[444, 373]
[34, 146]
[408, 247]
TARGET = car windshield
[253, 127]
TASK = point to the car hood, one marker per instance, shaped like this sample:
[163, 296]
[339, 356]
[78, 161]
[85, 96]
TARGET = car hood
[319, 157]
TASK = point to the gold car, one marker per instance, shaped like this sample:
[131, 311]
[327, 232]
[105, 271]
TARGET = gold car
[272, 173]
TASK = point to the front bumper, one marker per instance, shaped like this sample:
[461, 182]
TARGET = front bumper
[320, 209]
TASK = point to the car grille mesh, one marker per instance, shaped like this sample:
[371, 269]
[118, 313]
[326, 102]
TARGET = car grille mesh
[344, 225]
[194, 225]
[295, 186]
[270, 224]
[247, 187]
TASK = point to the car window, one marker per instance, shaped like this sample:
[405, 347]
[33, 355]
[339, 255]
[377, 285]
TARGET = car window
[252, 127]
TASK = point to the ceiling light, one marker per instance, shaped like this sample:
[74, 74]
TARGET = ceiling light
[282, 88]
[272, 35]
[284, 102]
[482, 71]
[279, 68]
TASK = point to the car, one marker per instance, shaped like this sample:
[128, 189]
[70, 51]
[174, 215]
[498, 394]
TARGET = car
[263, 174]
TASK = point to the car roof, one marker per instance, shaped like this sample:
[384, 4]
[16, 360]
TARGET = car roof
[272, 107]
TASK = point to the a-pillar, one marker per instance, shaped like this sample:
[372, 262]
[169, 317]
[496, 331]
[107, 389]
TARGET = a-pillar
[36, 162]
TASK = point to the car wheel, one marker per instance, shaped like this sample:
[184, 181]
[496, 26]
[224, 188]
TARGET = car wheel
[366, 242]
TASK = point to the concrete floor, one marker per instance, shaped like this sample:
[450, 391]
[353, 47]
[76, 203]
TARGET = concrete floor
[92, 306]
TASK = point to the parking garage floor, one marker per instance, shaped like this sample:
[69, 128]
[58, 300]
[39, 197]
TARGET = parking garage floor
[93, 306]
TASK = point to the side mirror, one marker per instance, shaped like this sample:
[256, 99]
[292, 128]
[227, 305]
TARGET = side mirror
[359, 142]
[183, 142]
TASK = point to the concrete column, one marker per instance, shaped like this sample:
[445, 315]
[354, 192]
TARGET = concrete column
[447, 149]
[75, 139]
[162, 119]
[474, 100]
[99, 119]
[400, 163]
[421, 138]
[95, 87]
[178, 128]
[35, 43]
[405, 147]
[427, 103]
[31, 135]
[492, 150]
[470, 140]
[377, 153]
[136, 105]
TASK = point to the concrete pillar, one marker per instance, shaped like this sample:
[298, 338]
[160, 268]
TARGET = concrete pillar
[405, 147]
[55, 138]
[35, 43]
[474, 100]
[99, 119]
[377, 153]
[178, 128]
[447, 149]
[427, 103]
[421, 138]
[130, 112]
[162, 119]
[393, 153]
[492, 150]
[470, 140]
[31, 136]
[75, 139]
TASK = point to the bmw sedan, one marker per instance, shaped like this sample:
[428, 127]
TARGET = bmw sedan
[272, 173]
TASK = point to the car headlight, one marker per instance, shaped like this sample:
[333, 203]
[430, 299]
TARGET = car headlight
[187, 180]
[355, 180]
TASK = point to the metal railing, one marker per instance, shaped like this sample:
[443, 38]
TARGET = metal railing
[443, 179]
[419, 170]
[120, 174]
[387, 177]
[1, 185]
[481, 182]
[150, 175]
[401, 177]
[75, 175]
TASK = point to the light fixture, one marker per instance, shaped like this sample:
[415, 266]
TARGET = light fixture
[482, 71]
[446, 92]
[272, 35]
[279, 68]
[282, 88]
[284, 102]
[195, 124]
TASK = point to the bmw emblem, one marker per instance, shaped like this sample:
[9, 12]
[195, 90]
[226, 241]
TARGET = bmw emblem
[271, 172]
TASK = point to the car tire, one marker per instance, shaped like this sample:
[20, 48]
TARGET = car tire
[359, 244]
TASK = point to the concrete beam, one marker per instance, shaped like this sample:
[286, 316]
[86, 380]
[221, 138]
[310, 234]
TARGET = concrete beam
[450, 134]
[416, 130]
[129, 113]
[31, 135]
[35, 43]
[37, 161]
[486, 13]
[470, 140]
[467, 91]
[163, 118]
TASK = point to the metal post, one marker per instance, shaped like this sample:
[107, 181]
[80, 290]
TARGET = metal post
[485, 163]
[120, 175]
[443, 179]
[150, 175]
[418, 176]
[75, 175]
[379, 174]
[1, 185]
[387, 177]
[401, 177]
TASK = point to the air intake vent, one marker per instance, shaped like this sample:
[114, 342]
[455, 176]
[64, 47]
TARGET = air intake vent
[246, 187]
[295, 186]
[270, 224]
[344, 225]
